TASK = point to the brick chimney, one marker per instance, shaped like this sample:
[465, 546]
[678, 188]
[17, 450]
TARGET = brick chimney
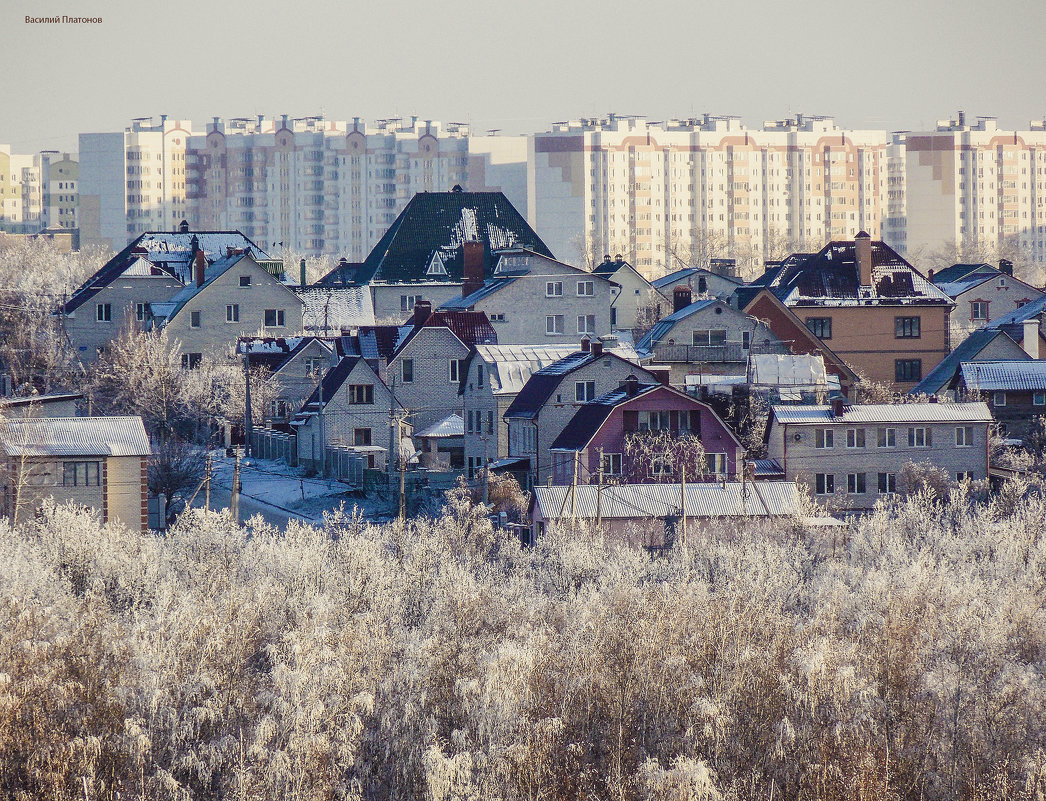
[472, 256]
[1006, 267]
[1031, 337]
[863, 257]
[631, 386]
[597, 348]
[199, 268]
[422, 312]
[838, 405]
[682, 296]
[586, 344]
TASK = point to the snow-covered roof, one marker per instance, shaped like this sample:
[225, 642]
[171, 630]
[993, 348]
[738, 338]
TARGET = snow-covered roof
[1014, 376]
[776, 371]
[450, 426]
[331, 308]
[512, 365]
[870, 413]
[75, 436]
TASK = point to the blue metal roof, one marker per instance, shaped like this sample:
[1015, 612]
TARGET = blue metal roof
[666, 324]
[941, 376]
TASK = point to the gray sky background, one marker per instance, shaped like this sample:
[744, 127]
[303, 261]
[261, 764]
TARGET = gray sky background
[519, 65]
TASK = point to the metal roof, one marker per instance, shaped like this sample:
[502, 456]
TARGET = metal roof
[729, 499]
[331, 308]
[884, 413]
[1009, 375]
[75, 436]
[666, 324]
[450, 426]
[941, 376]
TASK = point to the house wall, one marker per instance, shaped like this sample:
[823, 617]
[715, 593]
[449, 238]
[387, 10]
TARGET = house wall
[432, 395]
[1019, 416]
[635, 293]
[127, 491]
[215, 332]
[865, 338]
[87, 334]
[481, 404]
[1003, 294]
[389, 299]
[295, 383]
[801, 460]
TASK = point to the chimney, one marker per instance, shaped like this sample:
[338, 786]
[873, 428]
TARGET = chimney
[422, 312]
[618, 258]
[472, 255]
[682, 296]
[302, 275]
[199, 268]
[586, 344]
[343, 269]
[183, 227]
[631, 386]
[929, 275]
[1006, 267]
[597, 348]
[863, 255]
[1031, 337]
[838, 405]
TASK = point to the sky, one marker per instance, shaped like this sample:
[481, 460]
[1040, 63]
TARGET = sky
[516, 66]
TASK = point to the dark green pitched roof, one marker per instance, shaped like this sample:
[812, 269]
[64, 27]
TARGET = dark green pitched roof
[438, 222]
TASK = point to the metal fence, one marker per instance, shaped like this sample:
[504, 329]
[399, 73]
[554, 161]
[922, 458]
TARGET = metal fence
[345, 465]
[267, 443]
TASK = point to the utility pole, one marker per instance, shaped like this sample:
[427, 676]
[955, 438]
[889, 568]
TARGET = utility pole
[573, 490]
[682, 502]
[247, 402]
[599, 491]
[207, 485]
[323, 441]
[393, 430]
[403, 480]
[486, 473]
[234, 498]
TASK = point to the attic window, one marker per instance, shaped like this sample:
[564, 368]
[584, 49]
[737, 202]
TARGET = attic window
[436, 266]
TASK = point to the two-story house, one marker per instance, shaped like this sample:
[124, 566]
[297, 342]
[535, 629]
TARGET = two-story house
[423, 255]
[533, 299]
[702, 283]
[351, 408]
[152, 269]
[876, 311]
[706, 337]
[603, 442]
[233, 297]
[982, 293]
[1015, 392]
[637, 300]
[294, 365]
[854, 455]
[983, 345]
[552, 396]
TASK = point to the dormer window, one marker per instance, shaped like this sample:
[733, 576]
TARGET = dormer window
[436, 266]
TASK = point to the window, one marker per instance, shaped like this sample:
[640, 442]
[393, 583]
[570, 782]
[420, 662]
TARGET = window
[919, 438]
[963, 436]
[245, 281]
[965, 475]
[479, 376]
[104, 313]
[490, 421]
[469, 427]
[81, 474]
[408, 302]
[586, 289]
[190, 361]
[554, 324]
[907, 370]
[716, 463]
[275, 318]
[1038, 399]
[553, 289]
[655, 420]
[824, 438]
[611, 464]
[232, 313]
[584, 391]
[820, 327]
[978, 310]
[454, 370]
[716, 336]
[361, 394]
[998, 399]
[887, 437]
[855, 438]
[907, 327]
[746, 340]
[361, 436]
[586, 323]
[407, 369]
[194, 319]
[824, 483]
[661, 465]
[313, 365]
[855, 482]
[139, 312]
[887, 483]
[279, 408]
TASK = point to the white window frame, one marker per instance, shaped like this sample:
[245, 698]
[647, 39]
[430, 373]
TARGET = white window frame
[232, 312]
[554, 325]
[824, 483]
[856, 483]
[855, 438]
[612, 464]
[454, 370]
[586, 289]
[886, 437]
[964, 436]
[584, 391]
[104, 313]
[583, 326]
[403, 371]
[917, 441]
[891, 483]
[998, 398]
[553, 289]
[280, 318]
[824, 438]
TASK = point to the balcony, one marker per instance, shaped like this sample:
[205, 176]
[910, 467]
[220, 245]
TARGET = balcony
[694, 354]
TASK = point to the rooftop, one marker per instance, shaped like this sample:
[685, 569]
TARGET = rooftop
[871, 413]
[75, 436]
[1014, 376]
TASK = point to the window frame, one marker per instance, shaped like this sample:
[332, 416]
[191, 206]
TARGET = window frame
[817, 325]
[907, 327]
[232, 312]
[557, 326]
[856, 438]
[590, 286]
[856, 483]
[553, 289]
[824, 483]
[195, 319]
[361, 394]
[999, 398]
[104, 313]
[584, 391]
[404, 370]
[886, 483]
[907, 371]
[824, 438]
[245, 282]
[279, 317]
[964, 436]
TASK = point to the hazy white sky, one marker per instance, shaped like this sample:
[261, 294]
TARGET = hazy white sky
[516, 65]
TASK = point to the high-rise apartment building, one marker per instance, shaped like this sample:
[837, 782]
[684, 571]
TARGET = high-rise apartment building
[132, 182]
[20, 193]
[60, 182]
[978, 189]
[322, 186]
[666, 193]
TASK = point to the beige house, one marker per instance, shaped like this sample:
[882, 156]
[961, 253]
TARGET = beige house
[533, 299]
[98, 462]
[637, 297]
[233, 297]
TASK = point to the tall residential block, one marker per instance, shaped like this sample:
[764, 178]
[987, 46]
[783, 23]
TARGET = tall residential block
[669, 194]
[324, 186]
[978, 189]
[132, 182]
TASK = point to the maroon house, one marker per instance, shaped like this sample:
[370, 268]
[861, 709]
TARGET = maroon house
[597, 439]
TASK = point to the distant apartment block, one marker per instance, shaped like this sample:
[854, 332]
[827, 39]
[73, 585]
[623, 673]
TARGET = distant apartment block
[324, 186]
[37, 191]
[132, 182]
[660, 192]
[973, 186]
